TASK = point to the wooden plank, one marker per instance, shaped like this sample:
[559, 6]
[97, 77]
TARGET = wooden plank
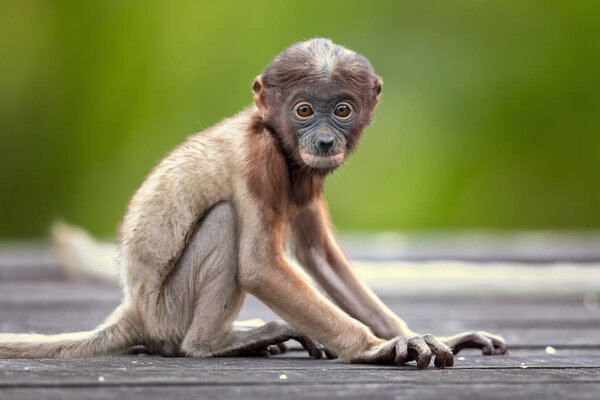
[119, 372]
[54, 307]
[71, 318]
[473, 390]
[401, 278]
[475, 245]
[519, 310]
[135, 377]
[63, 290]
[564, 359]
[28, 262]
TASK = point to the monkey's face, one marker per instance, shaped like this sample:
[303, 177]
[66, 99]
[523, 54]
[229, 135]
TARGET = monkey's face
[317, 97]
[322, 126]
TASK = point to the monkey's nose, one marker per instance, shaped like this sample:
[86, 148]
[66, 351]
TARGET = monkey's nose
[325, 142]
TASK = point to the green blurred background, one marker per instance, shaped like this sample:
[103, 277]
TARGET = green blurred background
[490, 114]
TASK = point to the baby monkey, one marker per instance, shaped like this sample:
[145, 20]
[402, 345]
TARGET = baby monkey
[211, 221]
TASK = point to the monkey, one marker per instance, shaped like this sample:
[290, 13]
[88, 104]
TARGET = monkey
[212, 221]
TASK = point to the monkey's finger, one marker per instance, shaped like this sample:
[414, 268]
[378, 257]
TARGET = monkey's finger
[310, 346]
[501, 351]
[423, 352]
[256, 352]
[480, 341]
[443, 355]
[277, 348]
[401, 347]
[330, 355]
[263, 353]
[282, 347]
[499, 343]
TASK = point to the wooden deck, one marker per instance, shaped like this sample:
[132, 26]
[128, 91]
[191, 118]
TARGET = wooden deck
[36, 298]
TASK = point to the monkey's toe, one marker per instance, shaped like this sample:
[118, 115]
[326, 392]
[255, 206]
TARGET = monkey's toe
[279, 348]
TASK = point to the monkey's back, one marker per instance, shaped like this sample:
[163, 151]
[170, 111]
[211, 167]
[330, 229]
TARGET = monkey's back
[163, 212]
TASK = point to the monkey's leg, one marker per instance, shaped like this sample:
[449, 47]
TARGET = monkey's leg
[204, 292]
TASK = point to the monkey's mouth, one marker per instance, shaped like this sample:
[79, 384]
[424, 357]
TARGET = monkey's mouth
[322, 160]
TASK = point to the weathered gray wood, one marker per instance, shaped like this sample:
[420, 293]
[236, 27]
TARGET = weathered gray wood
[174, 378]
[28, 262]
[49, 304]
[59, 306]
[72, 317]
[155, 372]
[522, 361]
[472, 390]
[475, 245]
[536, 311]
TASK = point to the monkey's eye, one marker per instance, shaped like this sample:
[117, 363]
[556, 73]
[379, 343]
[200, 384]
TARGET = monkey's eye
[343, 110]
[304, 110]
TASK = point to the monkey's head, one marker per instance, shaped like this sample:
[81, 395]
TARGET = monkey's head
[317, 97]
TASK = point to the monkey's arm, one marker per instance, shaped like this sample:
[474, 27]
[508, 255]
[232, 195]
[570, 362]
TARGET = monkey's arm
[315, 247]
[265, 273]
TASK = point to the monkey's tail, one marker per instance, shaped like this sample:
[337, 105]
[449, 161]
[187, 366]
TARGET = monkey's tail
[81, 256]
[110, 338]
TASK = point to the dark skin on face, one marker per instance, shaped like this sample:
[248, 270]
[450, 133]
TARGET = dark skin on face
[322, 126]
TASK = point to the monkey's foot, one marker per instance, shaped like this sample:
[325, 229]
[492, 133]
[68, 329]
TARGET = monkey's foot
[281, 348]
[260, 351]
[488, 343]
[402, 350]
[269, 339]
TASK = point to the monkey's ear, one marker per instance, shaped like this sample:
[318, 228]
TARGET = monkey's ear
[377, 88]
[259, 95]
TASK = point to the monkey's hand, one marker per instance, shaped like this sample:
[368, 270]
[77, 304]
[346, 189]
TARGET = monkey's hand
[488, 343]
[402, 350]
